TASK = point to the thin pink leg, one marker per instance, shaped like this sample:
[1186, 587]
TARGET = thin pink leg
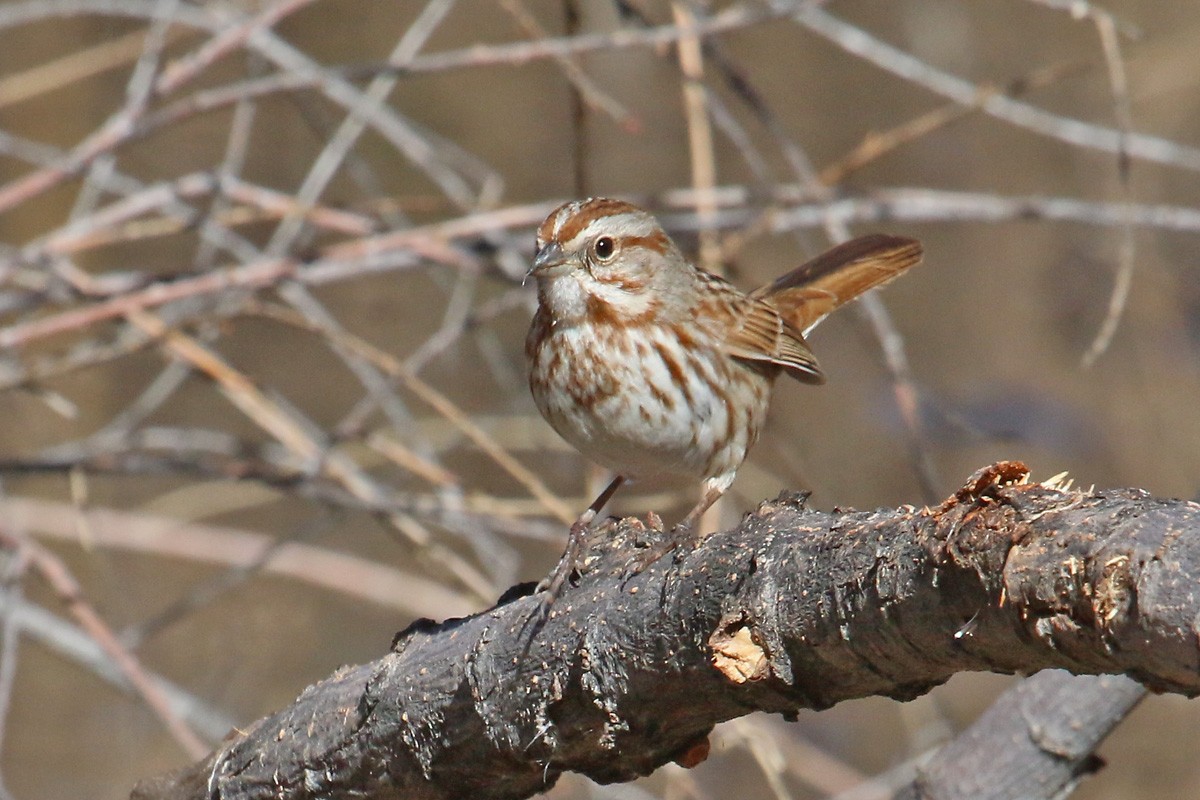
[576, 539]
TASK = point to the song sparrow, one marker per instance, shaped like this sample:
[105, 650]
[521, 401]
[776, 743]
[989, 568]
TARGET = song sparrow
[648, 365]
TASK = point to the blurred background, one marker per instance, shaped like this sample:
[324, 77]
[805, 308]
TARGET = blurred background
[262, 393]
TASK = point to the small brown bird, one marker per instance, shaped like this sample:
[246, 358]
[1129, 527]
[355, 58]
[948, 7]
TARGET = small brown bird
[649, 365]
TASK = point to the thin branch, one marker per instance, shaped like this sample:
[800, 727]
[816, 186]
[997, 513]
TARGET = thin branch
[60, 579]
[1127, 252]
[73, 643]
[1064, 129]
[364, 580]
[699, 127]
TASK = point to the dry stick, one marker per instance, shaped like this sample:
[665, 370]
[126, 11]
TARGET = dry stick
[824, 772]
[241, 391]
[216, 455]
[406, 458]
[75, 234]
[402, 134]
[877, 145]
[82, 356]
[176, 372]
[11, 595]
[166, 85]
[276, 421]
[124, 125]
[76, 66]
[778, 753]
[118, 128]
[1082, 8]
[351, 259]
[444, 406]
[730, 19]
[338, 146]
[325, 166]
[69, 591]
[435, 345]
[114, 222]
[397, 130]
[222, 43]
[1065, 129]
[800, 208]
[281, 204]
[700, 139]
[262, 411]
[904, 388]
[588, 91]
[1127, 252]
[72, 643]
[138, 93]
[256, 275]
[120, 184]
[161, 454]
[469, 224]
[329, 570]
[580, 136]
[215, 229]
[1072, 131]
[267, 208]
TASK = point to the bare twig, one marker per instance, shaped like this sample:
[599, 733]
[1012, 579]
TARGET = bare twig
[1127, 252]
[60, 579]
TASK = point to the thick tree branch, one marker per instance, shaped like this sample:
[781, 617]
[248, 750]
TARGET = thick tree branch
[793, 609]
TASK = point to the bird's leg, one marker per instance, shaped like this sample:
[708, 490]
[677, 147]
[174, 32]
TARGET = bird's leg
[688, 529]
[552, 586]
[576, 539]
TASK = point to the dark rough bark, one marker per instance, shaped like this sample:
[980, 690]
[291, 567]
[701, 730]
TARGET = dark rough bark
[1036, 740]
[793, 609]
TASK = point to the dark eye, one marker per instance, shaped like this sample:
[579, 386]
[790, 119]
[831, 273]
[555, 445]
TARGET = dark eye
[604, 247]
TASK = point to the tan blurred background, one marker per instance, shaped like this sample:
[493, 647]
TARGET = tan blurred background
[98, 419]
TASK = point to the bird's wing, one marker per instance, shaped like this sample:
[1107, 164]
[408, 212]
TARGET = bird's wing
[759, 335]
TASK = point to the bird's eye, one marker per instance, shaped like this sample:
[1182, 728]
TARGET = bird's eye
[604, 248]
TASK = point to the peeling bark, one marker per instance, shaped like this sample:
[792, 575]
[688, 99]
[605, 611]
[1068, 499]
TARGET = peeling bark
[793, 609]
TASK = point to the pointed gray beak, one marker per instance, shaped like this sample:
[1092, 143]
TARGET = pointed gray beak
[551, 255]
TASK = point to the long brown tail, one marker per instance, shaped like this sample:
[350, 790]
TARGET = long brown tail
[807, 294]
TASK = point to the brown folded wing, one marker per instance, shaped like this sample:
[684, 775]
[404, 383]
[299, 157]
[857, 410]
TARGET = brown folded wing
[760, 335]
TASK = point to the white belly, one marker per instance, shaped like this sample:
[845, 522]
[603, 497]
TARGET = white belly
[633, 415]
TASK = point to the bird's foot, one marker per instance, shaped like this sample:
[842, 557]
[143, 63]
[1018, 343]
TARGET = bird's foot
[680, 540]
[566, 571]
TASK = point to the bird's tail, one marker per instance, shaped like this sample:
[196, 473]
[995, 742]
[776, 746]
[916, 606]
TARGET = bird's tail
[807, 294]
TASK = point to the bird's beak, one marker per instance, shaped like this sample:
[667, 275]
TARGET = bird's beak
[549, 256]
